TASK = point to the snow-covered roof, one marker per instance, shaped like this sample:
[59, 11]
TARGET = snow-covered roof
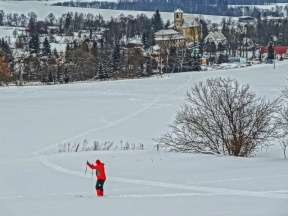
[273, 18]
[135, 41]
[246, 17]
[189, 20]
[168, 34]
[216, 35]
[178, 11]
[156, 47]
[52, 27]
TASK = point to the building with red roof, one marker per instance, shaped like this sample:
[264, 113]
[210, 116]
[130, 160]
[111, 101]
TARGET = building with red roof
[279, 50]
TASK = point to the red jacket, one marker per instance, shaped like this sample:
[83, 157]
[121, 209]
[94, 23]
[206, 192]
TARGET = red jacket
[100, 170]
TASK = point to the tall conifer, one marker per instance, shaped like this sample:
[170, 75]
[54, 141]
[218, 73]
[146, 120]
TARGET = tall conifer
[157, 21]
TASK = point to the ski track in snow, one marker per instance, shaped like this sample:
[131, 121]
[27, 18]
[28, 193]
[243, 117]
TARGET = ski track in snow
[269, 194]
[238, 179]
[80, 195]
[207, 190]
[122, 119]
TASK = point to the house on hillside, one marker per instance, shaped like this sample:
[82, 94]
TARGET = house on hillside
[216, 37]
[51, 30]
[246, 20]
[247, 44]
[279, 51]
[132, 47]
[187, 25]
[169, 37]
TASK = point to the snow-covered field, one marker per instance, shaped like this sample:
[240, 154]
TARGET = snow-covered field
[268, 7]
[44, 8]
[37, 180]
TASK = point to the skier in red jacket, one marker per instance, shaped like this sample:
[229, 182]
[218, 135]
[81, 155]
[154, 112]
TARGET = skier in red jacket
[101, 177]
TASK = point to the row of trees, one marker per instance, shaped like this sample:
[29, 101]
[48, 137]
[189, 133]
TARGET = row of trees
[212, 7]
[109, 37]
[221, 117]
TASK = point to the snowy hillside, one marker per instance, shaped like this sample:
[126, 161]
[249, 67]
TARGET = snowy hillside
[38, 180]
[44, 8]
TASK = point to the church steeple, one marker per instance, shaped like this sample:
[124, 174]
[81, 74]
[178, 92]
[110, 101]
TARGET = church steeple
[178, 18]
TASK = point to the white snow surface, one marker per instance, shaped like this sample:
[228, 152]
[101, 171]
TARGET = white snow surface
[37, 180]
[43, 8]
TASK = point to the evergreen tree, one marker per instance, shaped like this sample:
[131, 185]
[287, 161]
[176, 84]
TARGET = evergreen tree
[55, 53]
[34, 43]
[67, 21]
[270, 51]
[67, 52]
[94, 49]
[107, 67]
[225, 28]
[46, 51]
[66, 78]
[222, 58]
[151, 38]
[1, 19]
[144, 40]
[116, 57]
[221, 47]
[157, 21]
[6, 49]
[148, 67]
[4, 46]
[102, 72]
[75, 44]
[50, 77]
[168, 23]
[32, 26]
[31, 44]
[195, 62]
[204, 27]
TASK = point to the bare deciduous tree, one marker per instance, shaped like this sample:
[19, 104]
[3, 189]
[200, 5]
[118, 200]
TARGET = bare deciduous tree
[284, 144]
[81, 65]
[283, 122]
[221, 117]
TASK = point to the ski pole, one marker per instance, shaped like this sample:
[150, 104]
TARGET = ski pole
[92, 172]
[86, 168]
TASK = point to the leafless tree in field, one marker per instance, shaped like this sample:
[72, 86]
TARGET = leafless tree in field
[81, 64]
[221, 117]
[284, 144]
[283, 122]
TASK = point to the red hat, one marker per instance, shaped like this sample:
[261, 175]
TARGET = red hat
[97, 161]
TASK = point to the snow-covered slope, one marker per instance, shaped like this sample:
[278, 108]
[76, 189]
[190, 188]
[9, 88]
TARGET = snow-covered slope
[43, 8]
[37, 180]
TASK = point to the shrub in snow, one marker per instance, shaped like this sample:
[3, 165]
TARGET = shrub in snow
[223, 118]
[97, 146]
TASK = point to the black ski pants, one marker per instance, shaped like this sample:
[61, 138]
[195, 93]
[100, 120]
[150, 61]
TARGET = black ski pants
[100, 184]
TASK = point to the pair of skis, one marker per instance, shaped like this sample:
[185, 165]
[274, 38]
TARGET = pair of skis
[79, 195]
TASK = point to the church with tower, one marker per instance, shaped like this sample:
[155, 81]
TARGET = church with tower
[185, 29]
[187, 25]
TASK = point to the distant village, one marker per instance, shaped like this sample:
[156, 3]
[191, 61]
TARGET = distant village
[81, 47]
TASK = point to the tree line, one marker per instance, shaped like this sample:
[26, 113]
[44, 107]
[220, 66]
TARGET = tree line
[208, 7]
[103, 53]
